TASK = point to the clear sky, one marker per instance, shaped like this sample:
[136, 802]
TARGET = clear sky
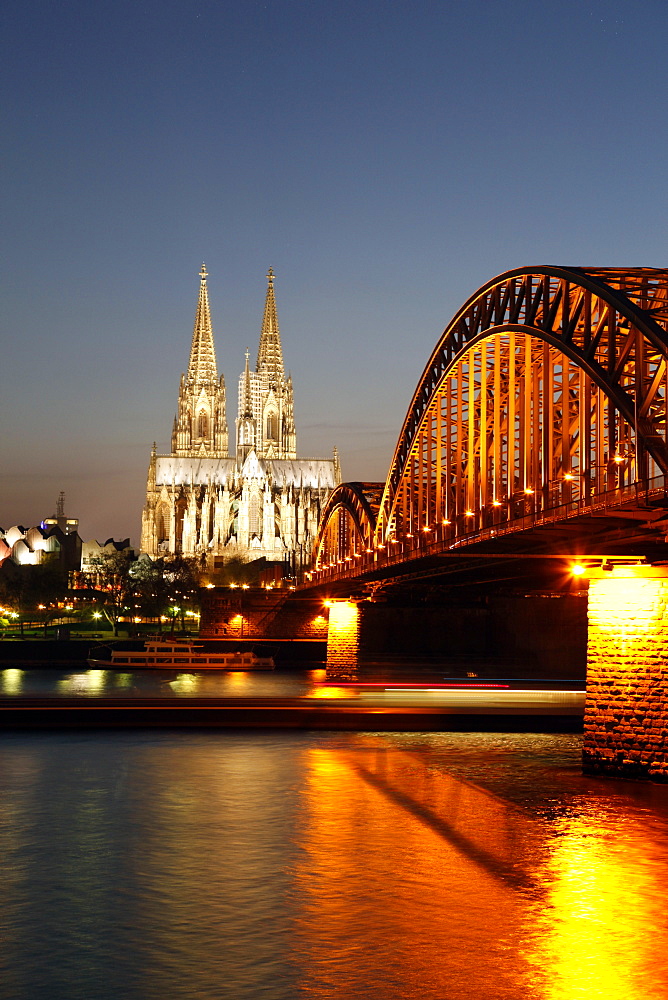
[385, 158]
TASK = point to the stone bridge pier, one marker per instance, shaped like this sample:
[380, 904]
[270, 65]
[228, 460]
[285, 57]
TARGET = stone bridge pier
[626, 709]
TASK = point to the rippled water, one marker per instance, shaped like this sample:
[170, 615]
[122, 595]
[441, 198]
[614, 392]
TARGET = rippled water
[79, 680]
[225, 865]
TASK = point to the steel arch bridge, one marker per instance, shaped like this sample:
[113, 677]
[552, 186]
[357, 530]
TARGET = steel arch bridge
[545, 396]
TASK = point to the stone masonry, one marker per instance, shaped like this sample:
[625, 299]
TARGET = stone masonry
[626, 709]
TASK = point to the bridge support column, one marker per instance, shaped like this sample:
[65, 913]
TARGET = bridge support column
[626, 708]
[343, 639]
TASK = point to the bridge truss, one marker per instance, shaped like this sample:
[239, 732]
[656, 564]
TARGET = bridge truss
[547, 391]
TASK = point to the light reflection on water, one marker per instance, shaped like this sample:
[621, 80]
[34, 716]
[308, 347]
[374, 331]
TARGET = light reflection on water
[11, 680]
[601, 927]
[164, 683]
[218, 865]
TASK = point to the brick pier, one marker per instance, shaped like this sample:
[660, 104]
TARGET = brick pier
[626, 709]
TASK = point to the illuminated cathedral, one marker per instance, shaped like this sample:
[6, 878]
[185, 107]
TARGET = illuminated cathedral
[264, 501]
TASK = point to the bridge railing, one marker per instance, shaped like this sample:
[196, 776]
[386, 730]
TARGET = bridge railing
[482, 526]
[644, 493]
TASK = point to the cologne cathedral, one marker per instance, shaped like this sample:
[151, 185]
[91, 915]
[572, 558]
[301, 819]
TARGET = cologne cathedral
[264, 502]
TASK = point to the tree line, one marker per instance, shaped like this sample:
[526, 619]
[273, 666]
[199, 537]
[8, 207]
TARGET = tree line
[115, 586]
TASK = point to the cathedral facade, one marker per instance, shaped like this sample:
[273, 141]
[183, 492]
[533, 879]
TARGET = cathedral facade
[263, 501]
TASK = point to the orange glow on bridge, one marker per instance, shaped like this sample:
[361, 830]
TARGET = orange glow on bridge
[544, 400]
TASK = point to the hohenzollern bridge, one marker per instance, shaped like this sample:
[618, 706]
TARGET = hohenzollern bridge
[542, 406]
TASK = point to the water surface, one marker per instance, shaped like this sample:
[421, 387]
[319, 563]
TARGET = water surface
[212, 865]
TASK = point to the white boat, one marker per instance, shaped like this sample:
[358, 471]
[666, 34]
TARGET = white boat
[180, 655]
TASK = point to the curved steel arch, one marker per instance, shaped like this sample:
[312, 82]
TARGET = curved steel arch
[611, 323]
[348, 521]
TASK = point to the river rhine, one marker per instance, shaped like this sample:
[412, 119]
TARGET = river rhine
[212, 864]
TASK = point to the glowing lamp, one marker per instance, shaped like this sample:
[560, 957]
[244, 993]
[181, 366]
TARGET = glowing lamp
[578, 569]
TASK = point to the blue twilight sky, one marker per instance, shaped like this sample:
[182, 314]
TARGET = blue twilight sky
[386, 158]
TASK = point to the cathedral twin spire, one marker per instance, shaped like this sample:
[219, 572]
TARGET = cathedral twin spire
[200, 424]
[265, 423]
[270, 354]
[202, 368]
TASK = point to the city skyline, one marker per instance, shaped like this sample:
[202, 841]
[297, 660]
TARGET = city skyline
[385, 161]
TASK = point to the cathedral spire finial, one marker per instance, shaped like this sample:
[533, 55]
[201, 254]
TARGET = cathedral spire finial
[270, 352]
[202, 366]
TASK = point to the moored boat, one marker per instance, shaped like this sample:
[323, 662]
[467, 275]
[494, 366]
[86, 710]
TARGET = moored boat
[173, 653]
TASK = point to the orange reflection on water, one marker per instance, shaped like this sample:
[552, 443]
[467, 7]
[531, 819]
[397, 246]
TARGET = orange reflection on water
[185, 684]
[329, 691]
[237, 680]
[601, 931]
[399, 887]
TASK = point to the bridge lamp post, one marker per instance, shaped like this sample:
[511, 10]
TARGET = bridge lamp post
[530, 500]
[496, 506]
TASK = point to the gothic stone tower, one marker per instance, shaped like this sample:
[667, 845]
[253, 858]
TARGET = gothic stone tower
[265, 502]
[266, 396]
[200, 425]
